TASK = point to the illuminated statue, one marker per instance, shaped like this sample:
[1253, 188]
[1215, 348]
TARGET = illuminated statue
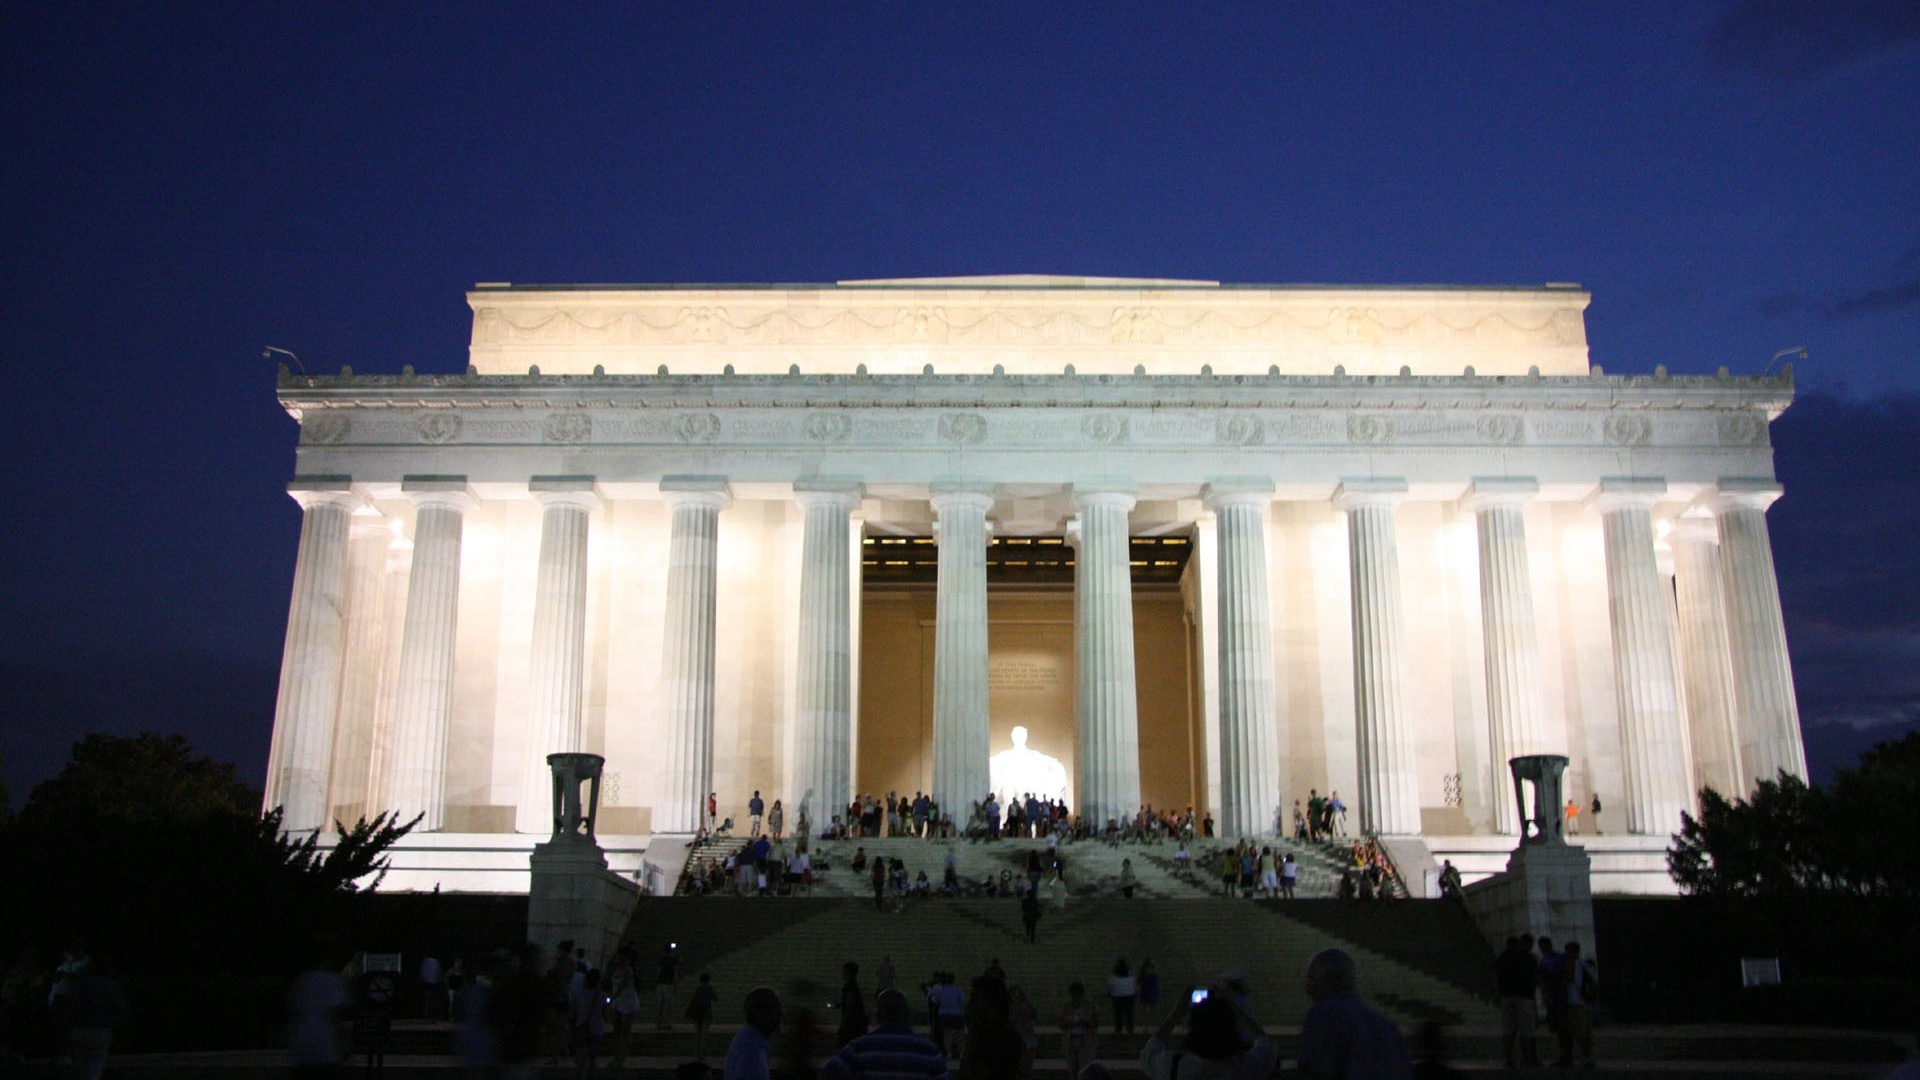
[1016, 772]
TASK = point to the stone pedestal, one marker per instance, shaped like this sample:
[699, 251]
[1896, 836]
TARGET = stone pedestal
[1546, 889]
[574, 897]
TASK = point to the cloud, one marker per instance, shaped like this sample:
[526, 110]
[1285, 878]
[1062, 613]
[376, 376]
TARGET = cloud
[1792, 40]
[1904, 295]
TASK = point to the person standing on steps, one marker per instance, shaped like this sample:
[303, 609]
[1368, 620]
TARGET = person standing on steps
[1223, 1041]
[749, 1055]
[1149, 980]
[1030, 913]
[756, 811]
[1594, 809]
[1123, 990]
[1078, 1027]
[891, 1050]
[666, 971]
[1342, 1037]
[853, 1005]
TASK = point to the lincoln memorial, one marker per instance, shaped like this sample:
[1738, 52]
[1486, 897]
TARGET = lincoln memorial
[1208, 545]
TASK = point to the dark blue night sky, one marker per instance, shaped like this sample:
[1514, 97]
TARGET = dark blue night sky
[186, 184]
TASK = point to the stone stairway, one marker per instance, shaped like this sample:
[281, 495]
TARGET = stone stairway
[1093, 867]
[801, 943]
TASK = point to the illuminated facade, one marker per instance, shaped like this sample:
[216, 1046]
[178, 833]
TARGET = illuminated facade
[1210, 545]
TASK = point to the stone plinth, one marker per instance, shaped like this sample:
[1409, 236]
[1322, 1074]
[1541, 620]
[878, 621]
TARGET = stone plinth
[1547, 888]
[574, 897]
[1545, 891]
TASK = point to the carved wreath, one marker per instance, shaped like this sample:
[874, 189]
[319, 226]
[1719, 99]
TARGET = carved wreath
[327, 428]
[697, 427]
[1369, 430]
[1627, 430]
[567, 427]
[437, 427]
[963, 428]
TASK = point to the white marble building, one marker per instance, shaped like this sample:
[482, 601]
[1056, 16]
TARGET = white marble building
[1412, 533]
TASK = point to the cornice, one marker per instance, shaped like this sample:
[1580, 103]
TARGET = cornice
[861, 391]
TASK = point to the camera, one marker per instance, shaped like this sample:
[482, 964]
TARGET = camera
[1198, 997]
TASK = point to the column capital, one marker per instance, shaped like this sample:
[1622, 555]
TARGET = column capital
[564, 491]
[449, 492]
[1103, 494]
[1754, 493]
[960, 497]
[312, 491]
[1386, 491]
[1237, 491]
[708, 491]
[1694, 527]
[1615, 492]
[828, 491]
[1486, 491]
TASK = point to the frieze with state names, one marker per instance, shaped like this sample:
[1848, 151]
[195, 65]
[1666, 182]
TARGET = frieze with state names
[1044, 427]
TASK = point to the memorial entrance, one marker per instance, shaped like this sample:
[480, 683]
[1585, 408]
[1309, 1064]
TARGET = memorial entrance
[1032, 663]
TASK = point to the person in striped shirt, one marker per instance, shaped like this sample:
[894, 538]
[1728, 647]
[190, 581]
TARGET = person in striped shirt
[891, 1050]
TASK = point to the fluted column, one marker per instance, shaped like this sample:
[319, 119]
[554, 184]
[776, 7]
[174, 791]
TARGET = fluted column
[686, 670]
[1389, 790]
[558, 663]
[1658, 775]
[960, 733]
[1109, 756]
[309, 701]
[1249, 736]
[423, 701]
[823, 739]
[1768, 715]
[1706, 665]
[1510, 639]
[362, 668]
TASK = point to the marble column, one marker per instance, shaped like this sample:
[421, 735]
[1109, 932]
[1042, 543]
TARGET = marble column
[309, 701]
[557, 680]
[1510, 639]
[823, 739]
[1389, 789]
[1108, 785]
[1249, 734]
[960, 733]
[423, 694]
[1768, 715]
[686, 669]
[1706, 671]
[1653, 744]
[368, 623]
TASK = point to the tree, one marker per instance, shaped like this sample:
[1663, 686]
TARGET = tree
[1861, 838]
[148, 853]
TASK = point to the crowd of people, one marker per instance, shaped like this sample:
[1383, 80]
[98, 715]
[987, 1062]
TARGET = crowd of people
[991, 1027]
